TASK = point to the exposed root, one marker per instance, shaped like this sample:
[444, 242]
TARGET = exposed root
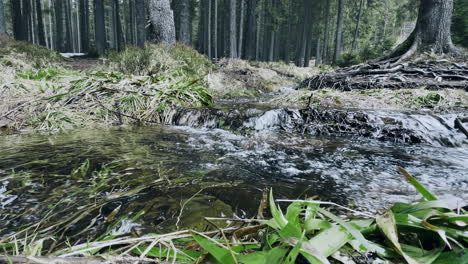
[438, 74]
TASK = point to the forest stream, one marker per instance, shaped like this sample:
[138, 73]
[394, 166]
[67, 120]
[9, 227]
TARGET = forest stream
[217, 163]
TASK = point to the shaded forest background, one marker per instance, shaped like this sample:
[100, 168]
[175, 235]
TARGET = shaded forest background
[342, 32]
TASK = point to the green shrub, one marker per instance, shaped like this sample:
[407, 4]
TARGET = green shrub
[349, 59]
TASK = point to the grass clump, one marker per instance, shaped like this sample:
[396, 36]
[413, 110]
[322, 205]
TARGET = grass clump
[135, 86]
[22, 54]
[159, 60]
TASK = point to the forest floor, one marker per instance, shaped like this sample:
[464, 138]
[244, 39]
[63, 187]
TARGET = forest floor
[44, 91]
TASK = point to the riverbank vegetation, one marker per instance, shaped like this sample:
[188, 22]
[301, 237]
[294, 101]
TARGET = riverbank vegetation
[429, 230]
[135, 86]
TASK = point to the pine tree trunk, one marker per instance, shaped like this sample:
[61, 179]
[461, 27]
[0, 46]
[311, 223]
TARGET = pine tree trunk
[326, 32]
[215, 29]
[339, 31]
[208, 30]
[59, 25]
[52, 43]
[140, 23]
[184, 26]
[26, 15]
[241, 29]
[287, 46]
[251, 22]
[302, 45]
[68, 26]
[118, 27]
[318, 52]
[17, 20]
[2, 20]
[84, 25]
[40, 23]
[99, 27]
[162, 18]
[358, 23]
[232, 29]
[258, 39]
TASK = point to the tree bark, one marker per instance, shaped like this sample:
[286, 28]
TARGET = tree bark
[68, 26]
[118, 26]
[40, 24]
[2, 19]
[26, 16]
[60, 45]
[184, 26]
[302, 45]
[215, 30]
[358, 23]
[326, 32]
[208, 30]
[162, 18]
[140, 23]
[84, 25]
[339, 31]
[241, 30]
[232, 29]
[250, 41]
[431, 34]
[17, 20]
[99, 25]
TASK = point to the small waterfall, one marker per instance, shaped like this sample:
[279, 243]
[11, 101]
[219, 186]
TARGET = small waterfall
[388, 126]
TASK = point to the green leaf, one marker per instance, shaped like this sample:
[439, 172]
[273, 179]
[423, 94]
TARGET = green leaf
[351, 229]
[331, 240]
[275, 255]
[458, 256]
[419, 187]
[412, 255]
[220, 254]
[279, 220]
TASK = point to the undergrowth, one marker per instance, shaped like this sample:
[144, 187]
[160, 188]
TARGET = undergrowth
[428, 231]
[135, 86]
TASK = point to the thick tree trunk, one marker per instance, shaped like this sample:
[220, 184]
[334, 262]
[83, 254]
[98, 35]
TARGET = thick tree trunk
[432, 32]
[232, 29]
[26, 16]
[99, 26]
[140, 23]
[68, 28]
[339, 31]
[118, 26]
[358, 23]
[184, 26]
[302, 44]
[84, 25]
[17, 20]
[40, 23]
[162, 18]
[2, 19]
[251, 22]
[58, 4]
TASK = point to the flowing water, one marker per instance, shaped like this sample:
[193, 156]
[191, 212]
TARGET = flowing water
[137, 179]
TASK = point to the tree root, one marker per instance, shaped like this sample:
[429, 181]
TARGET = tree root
[393, 74]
